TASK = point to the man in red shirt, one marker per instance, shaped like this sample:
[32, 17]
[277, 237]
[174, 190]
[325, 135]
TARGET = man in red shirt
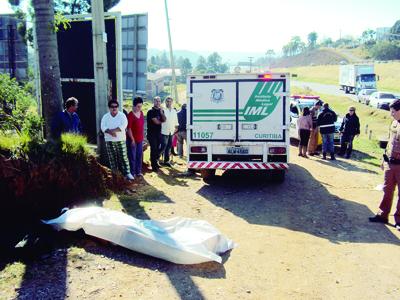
[135, 133]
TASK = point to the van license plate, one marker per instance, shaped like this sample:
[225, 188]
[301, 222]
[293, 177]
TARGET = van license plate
[237, 150]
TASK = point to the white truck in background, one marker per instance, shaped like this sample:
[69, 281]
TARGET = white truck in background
[353, 78]
[239, 122]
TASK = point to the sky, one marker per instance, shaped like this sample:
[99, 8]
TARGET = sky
[255, 25]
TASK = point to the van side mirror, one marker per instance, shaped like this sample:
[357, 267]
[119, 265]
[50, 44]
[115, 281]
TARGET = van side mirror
[377, 78]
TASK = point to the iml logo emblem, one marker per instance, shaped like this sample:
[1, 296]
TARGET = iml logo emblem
[262, 101]
[217, 95]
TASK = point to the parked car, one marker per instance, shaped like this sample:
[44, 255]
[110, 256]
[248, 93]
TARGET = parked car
[363, 95]
[381, 100]
[297, 105]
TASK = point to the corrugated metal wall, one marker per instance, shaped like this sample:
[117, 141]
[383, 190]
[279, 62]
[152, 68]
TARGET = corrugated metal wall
[20, 51]
[134, 52]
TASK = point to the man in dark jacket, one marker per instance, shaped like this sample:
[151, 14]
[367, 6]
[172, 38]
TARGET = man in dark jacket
[67, 120]
[326, 123]
[348, 130]
[181, 129]
[155, 117]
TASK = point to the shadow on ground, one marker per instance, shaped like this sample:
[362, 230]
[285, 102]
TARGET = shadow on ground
[301, 204]
[45, 275]
[343, 164]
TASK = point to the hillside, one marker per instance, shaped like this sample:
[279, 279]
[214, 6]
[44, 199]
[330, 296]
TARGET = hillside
[323, 56]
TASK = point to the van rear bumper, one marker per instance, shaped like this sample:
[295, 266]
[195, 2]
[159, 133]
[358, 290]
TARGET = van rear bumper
[225, 165]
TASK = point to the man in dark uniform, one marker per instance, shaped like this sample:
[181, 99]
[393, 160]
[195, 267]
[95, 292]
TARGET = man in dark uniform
[326, 123]
[391, 167]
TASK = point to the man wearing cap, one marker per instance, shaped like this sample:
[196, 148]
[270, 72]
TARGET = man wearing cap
[391, 166]
[313, 142]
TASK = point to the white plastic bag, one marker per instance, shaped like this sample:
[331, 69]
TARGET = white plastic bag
[179, 240]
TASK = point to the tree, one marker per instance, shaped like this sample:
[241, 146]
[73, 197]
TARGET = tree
[294, 47]
[395, 31]
[327, 42]
[186, 67]
[312, 40]
[201, 66]
[368, 38]
[269, 56]
[80, 6]
[48, 61]
[164, 61]
[386, 51]
[213, 62]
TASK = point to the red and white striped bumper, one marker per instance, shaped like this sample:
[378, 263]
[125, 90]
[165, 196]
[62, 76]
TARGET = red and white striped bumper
[238, 165]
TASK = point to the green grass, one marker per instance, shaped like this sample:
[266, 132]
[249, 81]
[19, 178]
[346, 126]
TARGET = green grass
[389, 74]
[11, 278]
[75, 144]
[13, 142]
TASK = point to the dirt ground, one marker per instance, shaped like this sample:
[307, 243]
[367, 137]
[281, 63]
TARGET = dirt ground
[307, 238]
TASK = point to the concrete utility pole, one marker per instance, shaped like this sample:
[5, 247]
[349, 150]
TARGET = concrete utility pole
[100, 67]
[250, 61]
[171, 55]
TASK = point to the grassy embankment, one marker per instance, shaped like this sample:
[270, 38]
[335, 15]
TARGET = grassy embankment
[389, 74]
[371, 119]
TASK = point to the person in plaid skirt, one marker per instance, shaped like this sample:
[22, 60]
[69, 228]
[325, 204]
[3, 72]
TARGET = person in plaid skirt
[113, 125]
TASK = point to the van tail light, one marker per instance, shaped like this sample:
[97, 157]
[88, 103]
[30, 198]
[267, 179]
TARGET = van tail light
[198, 149]
[277, 150]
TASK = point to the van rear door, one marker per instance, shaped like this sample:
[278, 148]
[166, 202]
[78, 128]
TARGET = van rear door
[213, 110]
[262, 110]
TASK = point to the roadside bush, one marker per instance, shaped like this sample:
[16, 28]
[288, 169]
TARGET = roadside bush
[18, 109]
[386, 51]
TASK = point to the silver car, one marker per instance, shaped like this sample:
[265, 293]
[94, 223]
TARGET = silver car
[363, 95]
[381, 100]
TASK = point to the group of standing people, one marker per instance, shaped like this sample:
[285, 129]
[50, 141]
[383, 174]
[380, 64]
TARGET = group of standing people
[163, 125]
[124, 135]
[314, 121]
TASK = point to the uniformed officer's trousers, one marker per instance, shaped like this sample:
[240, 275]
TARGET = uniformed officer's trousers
[391, 179]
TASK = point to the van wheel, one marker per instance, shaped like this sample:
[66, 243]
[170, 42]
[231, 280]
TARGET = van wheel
[278, 176]
[207, 173]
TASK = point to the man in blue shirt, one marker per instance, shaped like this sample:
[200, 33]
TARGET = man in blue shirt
[67, 120]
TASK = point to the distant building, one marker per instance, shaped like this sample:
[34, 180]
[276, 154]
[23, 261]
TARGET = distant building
[155, 84]
[167, 73]
[382, 33]
[13, 50]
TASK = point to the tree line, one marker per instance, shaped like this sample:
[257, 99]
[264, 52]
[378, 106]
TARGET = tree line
[384, 48]
[212, 64]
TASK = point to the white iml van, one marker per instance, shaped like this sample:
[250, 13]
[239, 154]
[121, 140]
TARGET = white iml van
[238, 121]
